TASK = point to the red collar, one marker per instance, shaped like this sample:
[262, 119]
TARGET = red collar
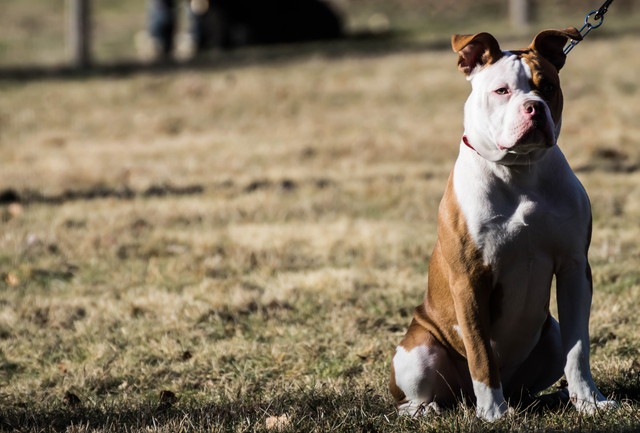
[465, 140]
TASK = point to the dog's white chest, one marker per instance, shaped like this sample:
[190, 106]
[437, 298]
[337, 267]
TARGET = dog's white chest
[523, 229]
[508, 231]
[503, 220]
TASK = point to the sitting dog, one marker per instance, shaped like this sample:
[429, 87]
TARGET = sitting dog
[513, 216]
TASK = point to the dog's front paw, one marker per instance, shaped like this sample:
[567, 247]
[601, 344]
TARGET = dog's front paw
[592, 406]
[493, 412]
[490, 402]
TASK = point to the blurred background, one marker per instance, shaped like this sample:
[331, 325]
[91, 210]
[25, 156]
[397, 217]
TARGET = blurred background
[40, 33]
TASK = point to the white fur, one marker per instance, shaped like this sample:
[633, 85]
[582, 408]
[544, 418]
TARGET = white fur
[492, 121]
[410, 367]
[415, 409]
[583, 392]
[490, 403]
[458, 330]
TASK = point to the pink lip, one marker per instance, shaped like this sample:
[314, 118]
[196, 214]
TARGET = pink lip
[528, 128]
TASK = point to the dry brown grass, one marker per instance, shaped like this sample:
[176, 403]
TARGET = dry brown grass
[282, 283]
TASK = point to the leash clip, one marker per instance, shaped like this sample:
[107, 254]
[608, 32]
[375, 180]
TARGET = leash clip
[593, 20]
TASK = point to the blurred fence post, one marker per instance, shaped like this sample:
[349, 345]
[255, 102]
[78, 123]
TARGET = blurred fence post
[79, 32]
[520, 13]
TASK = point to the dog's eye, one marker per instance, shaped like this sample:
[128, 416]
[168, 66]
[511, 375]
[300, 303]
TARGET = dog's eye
[548, 88]
[502, 91]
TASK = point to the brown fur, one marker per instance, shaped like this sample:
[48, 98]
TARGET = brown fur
[546, 82]
[479, 49]
[460, 286]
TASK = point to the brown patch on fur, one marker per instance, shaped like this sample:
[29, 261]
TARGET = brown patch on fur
[473, 50]
[458, 293]
[550, 44]
[545, 81]
[545, 57]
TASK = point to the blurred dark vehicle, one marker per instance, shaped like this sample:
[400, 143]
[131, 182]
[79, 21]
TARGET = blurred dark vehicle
[232, 23]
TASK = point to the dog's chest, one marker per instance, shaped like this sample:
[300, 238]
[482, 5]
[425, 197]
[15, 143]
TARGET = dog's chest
[507, 226]
[518, 225]
[509, 230]
[517, 232]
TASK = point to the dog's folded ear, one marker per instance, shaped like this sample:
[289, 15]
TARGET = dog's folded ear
[474, 51]
[550, 44]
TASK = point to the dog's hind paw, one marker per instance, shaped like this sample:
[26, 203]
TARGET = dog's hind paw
[592, 407]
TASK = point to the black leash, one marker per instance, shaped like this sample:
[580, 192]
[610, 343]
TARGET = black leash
[593, 20]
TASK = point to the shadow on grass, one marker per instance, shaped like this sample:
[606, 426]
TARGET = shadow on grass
[10, 195]
[361, 44]
[316, 410]
[321, 409]
[625, 387]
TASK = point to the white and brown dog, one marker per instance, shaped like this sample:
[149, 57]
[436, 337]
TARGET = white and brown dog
[513, 216]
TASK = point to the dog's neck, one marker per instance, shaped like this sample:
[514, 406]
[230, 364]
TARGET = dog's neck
[521, 174]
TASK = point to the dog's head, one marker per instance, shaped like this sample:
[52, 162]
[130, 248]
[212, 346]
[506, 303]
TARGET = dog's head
[514, 112]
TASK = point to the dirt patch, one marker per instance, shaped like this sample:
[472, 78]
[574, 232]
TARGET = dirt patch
[609, 160]
[10, 195]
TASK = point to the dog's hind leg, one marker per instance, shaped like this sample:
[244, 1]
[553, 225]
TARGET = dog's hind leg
[424, 376]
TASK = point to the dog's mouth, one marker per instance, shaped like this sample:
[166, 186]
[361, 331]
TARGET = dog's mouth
[537, 136]
[528, 148]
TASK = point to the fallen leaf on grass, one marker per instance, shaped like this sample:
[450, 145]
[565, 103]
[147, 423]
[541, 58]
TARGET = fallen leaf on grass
[278, 422]
[14, 210]
[11, 279]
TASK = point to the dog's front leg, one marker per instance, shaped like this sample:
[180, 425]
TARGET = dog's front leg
[471, 301]
[574, 292]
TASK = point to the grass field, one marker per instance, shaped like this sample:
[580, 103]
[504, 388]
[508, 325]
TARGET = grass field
[240, 249]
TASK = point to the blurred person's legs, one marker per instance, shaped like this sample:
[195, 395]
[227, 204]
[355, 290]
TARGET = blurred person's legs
[162, 25]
